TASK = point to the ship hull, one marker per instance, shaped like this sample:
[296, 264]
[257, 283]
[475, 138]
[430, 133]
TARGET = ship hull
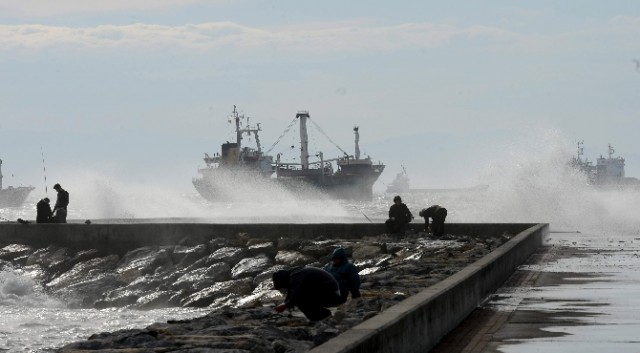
[219, 185]
[349, 183]
[14, 197]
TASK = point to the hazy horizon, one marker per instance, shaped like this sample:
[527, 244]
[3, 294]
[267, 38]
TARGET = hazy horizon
[136, 92]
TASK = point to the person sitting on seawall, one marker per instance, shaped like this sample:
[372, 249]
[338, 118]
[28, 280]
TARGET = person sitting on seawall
[345, 273]
[437, 214]
[311, 289]
[43, 211]
[60, 208]
[399, 216]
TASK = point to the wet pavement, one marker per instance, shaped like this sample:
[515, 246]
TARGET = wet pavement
[578, 293]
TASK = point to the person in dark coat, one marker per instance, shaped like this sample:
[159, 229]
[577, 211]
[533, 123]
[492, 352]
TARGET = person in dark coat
[399, 216]
[43, 211]
[60, 208]
[437, 214]
[311, 289]
[345, 273]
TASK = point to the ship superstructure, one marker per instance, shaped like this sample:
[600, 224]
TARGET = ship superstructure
[345, 177]
[236, 165]
[608, 171]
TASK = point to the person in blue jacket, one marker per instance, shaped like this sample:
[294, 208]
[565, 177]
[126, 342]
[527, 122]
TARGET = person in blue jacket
[345, 273]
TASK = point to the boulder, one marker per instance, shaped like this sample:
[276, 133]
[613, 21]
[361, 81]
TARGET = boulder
[251, 266]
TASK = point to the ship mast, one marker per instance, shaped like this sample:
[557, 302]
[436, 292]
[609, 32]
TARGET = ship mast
[580, 150]
[0, 174]
[236, 117]
[611, 151]
[304, 139]
[355, 131]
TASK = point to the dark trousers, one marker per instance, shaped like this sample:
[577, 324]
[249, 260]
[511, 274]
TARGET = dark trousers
[60, 216]
[437, 227]
[395, 226]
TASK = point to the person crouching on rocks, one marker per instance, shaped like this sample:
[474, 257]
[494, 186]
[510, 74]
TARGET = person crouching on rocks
[345, 273]
[438, 214]
[311, 289]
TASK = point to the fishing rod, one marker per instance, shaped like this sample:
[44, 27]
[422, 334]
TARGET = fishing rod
[44, 171]
[365, 216]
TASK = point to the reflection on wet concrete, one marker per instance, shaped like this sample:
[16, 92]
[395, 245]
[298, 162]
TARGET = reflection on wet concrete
[580, 293]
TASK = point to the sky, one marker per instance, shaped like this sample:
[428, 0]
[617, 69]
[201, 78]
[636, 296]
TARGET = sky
[137, 91]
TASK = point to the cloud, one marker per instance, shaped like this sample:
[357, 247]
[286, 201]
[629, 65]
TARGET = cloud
[40, 8]
[318, 39]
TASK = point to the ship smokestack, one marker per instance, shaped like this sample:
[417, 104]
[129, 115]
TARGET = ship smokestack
[355, 131]
[304, 139]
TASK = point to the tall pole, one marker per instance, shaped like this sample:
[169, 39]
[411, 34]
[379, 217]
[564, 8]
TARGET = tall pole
[0, 174]
[304, 139]
[238, 133]
[355, 131]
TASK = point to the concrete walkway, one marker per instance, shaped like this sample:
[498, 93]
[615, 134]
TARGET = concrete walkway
[579, 293]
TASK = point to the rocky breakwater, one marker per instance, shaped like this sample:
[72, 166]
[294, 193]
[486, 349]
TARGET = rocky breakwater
[233, 278]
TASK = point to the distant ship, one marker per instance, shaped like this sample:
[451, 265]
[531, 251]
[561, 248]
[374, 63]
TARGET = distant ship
[238, 167]
[401, 185]
[607, 171]
[13, 196]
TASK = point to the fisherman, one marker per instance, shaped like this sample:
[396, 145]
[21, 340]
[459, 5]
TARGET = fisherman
[345, 273]
[311, 289]
[437, 214]
[60, 208]
[399, 216]
[43, 211]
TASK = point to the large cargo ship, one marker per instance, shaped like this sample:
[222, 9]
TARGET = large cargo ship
[239, 168]
[13, 196]
[608, 172]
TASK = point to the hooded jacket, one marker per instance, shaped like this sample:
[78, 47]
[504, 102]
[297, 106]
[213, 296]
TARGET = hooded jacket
[346, 274]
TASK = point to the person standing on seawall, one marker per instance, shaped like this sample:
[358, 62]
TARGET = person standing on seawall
[60, 208]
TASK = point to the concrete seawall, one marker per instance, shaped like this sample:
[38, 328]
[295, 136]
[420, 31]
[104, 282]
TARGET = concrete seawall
[120, 238]
[418, 323]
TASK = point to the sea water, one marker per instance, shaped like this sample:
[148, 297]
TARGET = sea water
[529, 187]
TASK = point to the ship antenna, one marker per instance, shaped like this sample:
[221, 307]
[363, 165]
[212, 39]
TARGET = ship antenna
[44, 172]
[580, 150]
[355, 131]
